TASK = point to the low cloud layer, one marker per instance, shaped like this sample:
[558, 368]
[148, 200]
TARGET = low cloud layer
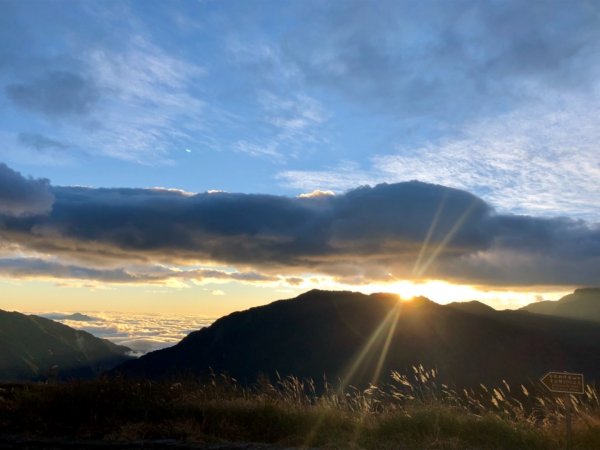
[142, 333]
[409, 230]
[21, 196]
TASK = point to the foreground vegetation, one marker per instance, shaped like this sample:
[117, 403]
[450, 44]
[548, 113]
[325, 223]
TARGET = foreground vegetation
[412, 411]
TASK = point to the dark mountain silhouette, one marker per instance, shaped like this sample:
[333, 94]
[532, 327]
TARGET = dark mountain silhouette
[35, 348]
[78, 317]
[323, 332]
[473, 307]
[582, 304]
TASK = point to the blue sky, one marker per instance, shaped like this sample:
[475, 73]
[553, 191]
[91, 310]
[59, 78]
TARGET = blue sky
[497, 98]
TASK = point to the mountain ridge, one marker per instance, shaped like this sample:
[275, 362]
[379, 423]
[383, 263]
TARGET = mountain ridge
[582, 304]
[323, 333]
[37, 348]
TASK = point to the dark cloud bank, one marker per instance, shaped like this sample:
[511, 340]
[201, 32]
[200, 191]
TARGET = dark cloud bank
[20, 196]
[404, 230]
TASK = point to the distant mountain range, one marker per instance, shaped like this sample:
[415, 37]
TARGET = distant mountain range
[77, 317]
[344, 335]
[583, 304]
[36, 348]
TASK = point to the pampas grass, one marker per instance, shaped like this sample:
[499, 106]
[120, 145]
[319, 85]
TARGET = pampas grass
[412, 410]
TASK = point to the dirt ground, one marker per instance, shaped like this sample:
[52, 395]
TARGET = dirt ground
[20, 443]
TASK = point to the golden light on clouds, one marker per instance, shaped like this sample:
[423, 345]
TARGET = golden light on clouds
[221, 296]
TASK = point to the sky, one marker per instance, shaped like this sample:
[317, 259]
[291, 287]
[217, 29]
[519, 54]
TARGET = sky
[202, 157]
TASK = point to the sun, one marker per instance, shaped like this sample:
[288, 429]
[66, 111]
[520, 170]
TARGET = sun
[406, 290]
[436, 290]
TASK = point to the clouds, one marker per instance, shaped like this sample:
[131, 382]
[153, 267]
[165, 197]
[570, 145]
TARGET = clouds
[117, 95]
[290, 121]
[526, 248]
[40, 142]
[57, 93]
[533, 160]
[20, 196]
[539, 160]
[112, 84]
[148, 105]
[140, 332]
[450, 93]
[497, 100]
[52, 269]
[409, 230]
[448, 61]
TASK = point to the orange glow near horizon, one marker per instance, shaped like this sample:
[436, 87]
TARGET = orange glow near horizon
[217, 299]
[444, 292]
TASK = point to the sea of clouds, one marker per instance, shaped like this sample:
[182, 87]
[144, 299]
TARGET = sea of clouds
[142, 333]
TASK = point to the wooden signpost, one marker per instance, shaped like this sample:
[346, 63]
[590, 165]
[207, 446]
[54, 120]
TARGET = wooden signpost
[565, 383]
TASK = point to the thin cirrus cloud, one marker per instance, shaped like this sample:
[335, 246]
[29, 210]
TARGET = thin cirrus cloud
[130, 101]
[535, 160]
[149, 107]
[130, 96]
[290, 122]
[451, 63]
[256, 81]
[41, 143]
[500, 99]
[409, 230]
[294, 125]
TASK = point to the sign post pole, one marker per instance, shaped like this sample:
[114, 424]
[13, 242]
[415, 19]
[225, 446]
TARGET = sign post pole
[567, 384]
[568, 406]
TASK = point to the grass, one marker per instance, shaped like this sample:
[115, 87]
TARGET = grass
[412, 411]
